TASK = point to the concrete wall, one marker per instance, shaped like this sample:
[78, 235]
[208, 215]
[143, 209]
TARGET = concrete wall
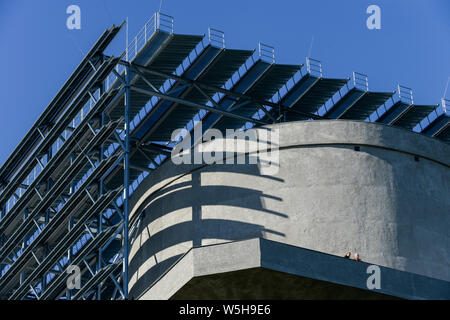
[389, 201]
[262, 269]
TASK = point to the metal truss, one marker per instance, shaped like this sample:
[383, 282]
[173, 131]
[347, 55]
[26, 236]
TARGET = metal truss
[141, 71]
[65, 215]
[62, 214]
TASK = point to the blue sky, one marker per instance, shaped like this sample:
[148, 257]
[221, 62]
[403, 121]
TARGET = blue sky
[38, 52]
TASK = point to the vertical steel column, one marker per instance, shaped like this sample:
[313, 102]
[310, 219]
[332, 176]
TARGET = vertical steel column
[101, 191]
[24, 244]
[46, 222]
[69, 253]
[71, 222]
[126, 182]
[2, 236]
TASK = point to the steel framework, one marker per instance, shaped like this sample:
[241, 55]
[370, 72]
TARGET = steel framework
[65, 189]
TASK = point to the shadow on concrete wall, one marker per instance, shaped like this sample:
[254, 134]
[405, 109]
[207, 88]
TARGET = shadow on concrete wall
[163, 248]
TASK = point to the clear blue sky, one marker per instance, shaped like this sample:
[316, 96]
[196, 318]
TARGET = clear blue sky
[38, 52]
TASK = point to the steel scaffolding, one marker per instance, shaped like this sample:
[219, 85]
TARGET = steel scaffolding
[65, 189]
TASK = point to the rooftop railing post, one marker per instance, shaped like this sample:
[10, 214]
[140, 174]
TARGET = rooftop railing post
[126, 183]
[266, 51]
[408, 97]
[215, 36]
[127, 44]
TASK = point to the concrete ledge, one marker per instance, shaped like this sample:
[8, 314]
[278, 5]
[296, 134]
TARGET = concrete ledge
[262, 253]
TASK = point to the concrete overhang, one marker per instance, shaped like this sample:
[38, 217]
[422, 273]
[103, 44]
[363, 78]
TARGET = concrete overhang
[300, 273]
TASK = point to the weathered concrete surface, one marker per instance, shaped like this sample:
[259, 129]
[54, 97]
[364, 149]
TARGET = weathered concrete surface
[263, 269]
[266, 284]
[326, 197]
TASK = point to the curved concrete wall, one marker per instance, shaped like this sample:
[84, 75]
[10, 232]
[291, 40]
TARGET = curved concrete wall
[389, 201]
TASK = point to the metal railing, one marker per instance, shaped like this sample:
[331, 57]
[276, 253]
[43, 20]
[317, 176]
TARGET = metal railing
[405, 94]
[159, 21]
[266, 51]
[314, 67]
[361, 81]
[216, 37]
[445, 103]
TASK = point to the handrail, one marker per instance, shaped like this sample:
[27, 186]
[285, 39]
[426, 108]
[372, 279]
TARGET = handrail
[314, 66]
[266, 51]
[444, 104]
[407, 96]
[158, 21]
[216, 36]
[361, 81]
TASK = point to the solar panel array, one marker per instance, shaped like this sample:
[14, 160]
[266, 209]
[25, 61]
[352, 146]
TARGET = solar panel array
[62, 188]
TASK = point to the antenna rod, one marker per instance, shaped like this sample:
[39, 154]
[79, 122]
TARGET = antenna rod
[127, 42]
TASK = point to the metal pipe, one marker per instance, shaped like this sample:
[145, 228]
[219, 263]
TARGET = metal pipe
[126, 184]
